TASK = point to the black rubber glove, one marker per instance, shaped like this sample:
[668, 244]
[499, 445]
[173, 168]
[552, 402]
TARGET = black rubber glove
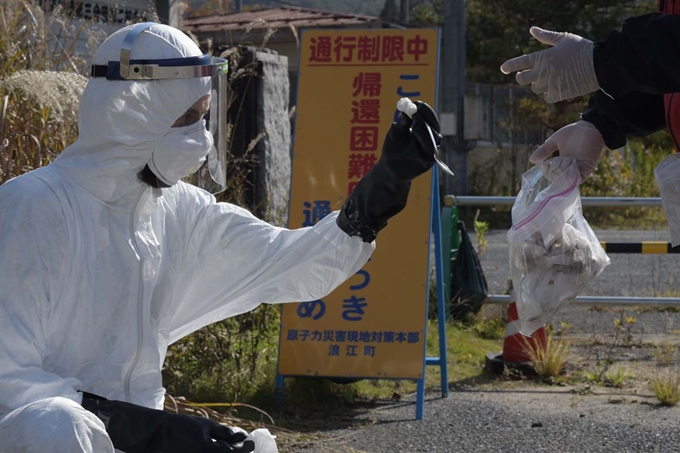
[137, 429]
[382, 193]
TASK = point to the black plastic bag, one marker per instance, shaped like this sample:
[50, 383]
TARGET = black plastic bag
[468, 284]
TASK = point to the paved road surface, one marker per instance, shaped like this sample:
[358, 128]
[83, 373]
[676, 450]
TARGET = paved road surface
[525, 420]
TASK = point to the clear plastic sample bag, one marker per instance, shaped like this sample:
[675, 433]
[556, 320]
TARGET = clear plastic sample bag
[554, 253]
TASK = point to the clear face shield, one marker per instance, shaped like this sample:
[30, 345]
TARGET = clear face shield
[195, 147]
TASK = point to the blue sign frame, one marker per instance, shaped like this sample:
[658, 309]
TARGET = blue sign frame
[436, 234]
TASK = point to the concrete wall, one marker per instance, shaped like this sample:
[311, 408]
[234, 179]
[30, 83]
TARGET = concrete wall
[274, 170]
[288, 50]
[260, 111]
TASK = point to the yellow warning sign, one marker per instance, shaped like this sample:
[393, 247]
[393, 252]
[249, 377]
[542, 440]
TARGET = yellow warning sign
[349, 84]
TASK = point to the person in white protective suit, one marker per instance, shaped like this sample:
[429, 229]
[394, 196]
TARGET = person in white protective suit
[107, 257]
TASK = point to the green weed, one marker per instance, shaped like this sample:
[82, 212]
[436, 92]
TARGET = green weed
[481, 228]
[616, 378]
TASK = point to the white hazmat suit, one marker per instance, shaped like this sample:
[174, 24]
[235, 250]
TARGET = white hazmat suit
[99, 272]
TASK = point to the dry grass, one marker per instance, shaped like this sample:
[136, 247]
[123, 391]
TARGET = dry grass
[285, 438]
[549, 360]
[60, 92]
[666, 388]
[41, 81]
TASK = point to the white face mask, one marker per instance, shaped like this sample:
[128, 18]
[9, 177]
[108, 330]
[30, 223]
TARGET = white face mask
[667, 175]
[181, 152]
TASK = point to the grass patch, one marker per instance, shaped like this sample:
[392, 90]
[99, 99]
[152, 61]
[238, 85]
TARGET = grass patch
[466, 353]
[616, 378]
[667, 388]
[549, 360]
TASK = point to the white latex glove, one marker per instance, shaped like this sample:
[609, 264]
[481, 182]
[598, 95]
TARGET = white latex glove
[264, 441]
[564, 71]
[581, 141]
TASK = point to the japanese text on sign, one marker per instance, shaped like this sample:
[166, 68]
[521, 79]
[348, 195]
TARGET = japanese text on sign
[335, 337]
[367, 49]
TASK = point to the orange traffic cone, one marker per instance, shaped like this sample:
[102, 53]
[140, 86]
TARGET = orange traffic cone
[516, 347]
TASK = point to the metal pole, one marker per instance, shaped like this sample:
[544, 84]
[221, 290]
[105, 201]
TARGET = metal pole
[404, 12]
[453, 84]
[500, 299]
[441, 285]
[451, 200]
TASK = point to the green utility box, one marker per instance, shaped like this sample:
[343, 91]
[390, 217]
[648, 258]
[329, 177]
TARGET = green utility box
[450, 245]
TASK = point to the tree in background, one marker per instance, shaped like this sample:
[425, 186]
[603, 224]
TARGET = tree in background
[499, 30]
[427, 13]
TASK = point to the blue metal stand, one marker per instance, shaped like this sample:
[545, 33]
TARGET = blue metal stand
[279, 390]
[441, 360]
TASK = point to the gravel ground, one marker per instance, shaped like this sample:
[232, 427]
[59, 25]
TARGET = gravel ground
[528, 417]
[525, 419]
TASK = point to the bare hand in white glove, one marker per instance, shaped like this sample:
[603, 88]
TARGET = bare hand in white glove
[564, 71]
[581, 141]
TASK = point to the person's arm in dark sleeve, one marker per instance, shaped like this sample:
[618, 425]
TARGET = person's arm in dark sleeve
[644, 56]
[632, 115]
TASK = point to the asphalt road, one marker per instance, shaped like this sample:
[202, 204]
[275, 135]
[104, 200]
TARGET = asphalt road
[524, 420]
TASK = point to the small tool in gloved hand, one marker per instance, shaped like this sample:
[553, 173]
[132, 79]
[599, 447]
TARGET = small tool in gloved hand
[408, 107]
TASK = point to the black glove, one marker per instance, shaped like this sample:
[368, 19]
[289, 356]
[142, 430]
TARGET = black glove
[407, 153]
[137, 429]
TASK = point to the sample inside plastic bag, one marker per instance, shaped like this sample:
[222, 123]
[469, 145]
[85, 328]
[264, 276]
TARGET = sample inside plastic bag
[554, 253]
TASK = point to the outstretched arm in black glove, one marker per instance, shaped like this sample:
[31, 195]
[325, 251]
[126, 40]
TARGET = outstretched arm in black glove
[407, 153]
[137, 429]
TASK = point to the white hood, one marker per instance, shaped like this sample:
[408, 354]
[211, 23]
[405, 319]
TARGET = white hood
[120, 121]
